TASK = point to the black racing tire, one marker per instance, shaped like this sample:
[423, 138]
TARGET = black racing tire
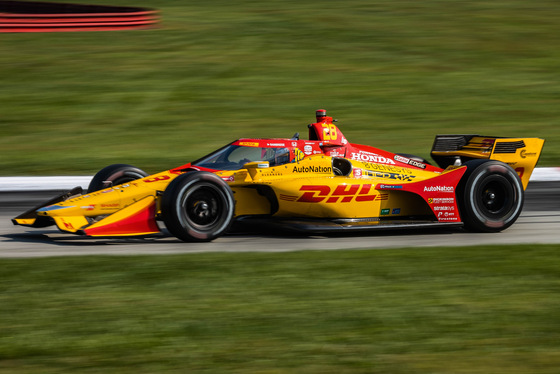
[114, 175]
[490, 196]
[197, 207]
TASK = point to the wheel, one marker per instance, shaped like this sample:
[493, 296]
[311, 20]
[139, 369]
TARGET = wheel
[490, 196]
[113, 175]
[197, 206]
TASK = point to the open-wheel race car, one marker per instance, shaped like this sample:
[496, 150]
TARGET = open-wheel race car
[317, 185]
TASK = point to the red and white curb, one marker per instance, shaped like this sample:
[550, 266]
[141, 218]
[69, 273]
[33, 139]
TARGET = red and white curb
[15, 184]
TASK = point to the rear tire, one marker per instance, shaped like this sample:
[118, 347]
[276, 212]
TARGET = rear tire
[114, 175]
[490, 196]
[197, 207]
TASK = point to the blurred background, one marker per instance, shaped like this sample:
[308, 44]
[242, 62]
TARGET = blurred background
[394, 73]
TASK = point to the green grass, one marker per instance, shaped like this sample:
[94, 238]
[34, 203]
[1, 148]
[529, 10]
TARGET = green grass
[434, 310]
[394, 73]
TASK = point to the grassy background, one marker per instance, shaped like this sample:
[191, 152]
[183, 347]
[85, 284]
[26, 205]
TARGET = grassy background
[395, 73]
[431, 310]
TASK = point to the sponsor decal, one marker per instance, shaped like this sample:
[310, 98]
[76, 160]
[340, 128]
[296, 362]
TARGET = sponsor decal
[402, 159]
[396, 211]
[444, 208]
[294, 144]
[389, 168]
[418, 164]
[446, 216]
[401, 177]
[385, 212]
[114, 205]
[88, 207]
[249, 144]
[441, 200]
[272, 174]
[307, 149]
[343, 193]
[357, 173]
[409, 161]
[299, 155]
[446, 189]
[229, 178]
[525, 154]
[370, 157]
[390, 186]
[312, 169]
[276, 144]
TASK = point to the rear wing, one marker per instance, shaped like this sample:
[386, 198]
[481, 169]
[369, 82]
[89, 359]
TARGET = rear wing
[522, 154]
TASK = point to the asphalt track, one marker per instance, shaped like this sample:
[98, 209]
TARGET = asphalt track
[538, 223]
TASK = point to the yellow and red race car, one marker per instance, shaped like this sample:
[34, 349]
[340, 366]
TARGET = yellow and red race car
[316, 185]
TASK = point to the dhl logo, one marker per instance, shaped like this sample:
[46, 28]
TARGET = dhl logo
[342, 193]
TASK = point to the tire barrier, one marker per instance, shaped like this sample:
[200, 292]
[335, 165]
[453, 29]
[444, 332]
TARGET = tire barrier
[31, 16]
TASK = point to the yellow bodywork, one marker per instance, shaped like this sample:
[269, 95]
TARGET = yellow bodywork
[116, 209]
[523, 159]
[522, 154]
[309, 188]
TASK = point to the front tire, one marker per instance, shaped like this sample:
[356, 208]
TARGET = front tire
[490, 196]
[197, 207]
[114, 175]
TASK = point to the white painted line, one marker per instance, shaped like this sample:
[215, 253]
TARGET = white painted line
[545, 175]
[14, 184]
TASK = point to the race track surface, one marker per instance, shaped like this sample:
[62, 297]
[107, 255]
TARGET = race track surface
[539, 223]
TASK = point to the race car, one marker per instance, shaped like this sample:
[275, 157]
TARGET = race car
[318, 185]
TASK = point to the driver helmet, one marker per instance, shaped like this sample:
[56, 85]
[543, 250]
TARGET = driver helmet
[282, 156]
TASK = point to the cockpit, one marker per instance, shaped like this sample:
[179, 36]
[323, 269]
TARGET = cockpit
[233, 157]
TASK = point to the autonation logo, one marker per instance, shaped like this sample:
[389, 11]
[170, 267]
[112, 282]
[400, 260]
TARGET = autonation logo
[448, 189]
[312, 169]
